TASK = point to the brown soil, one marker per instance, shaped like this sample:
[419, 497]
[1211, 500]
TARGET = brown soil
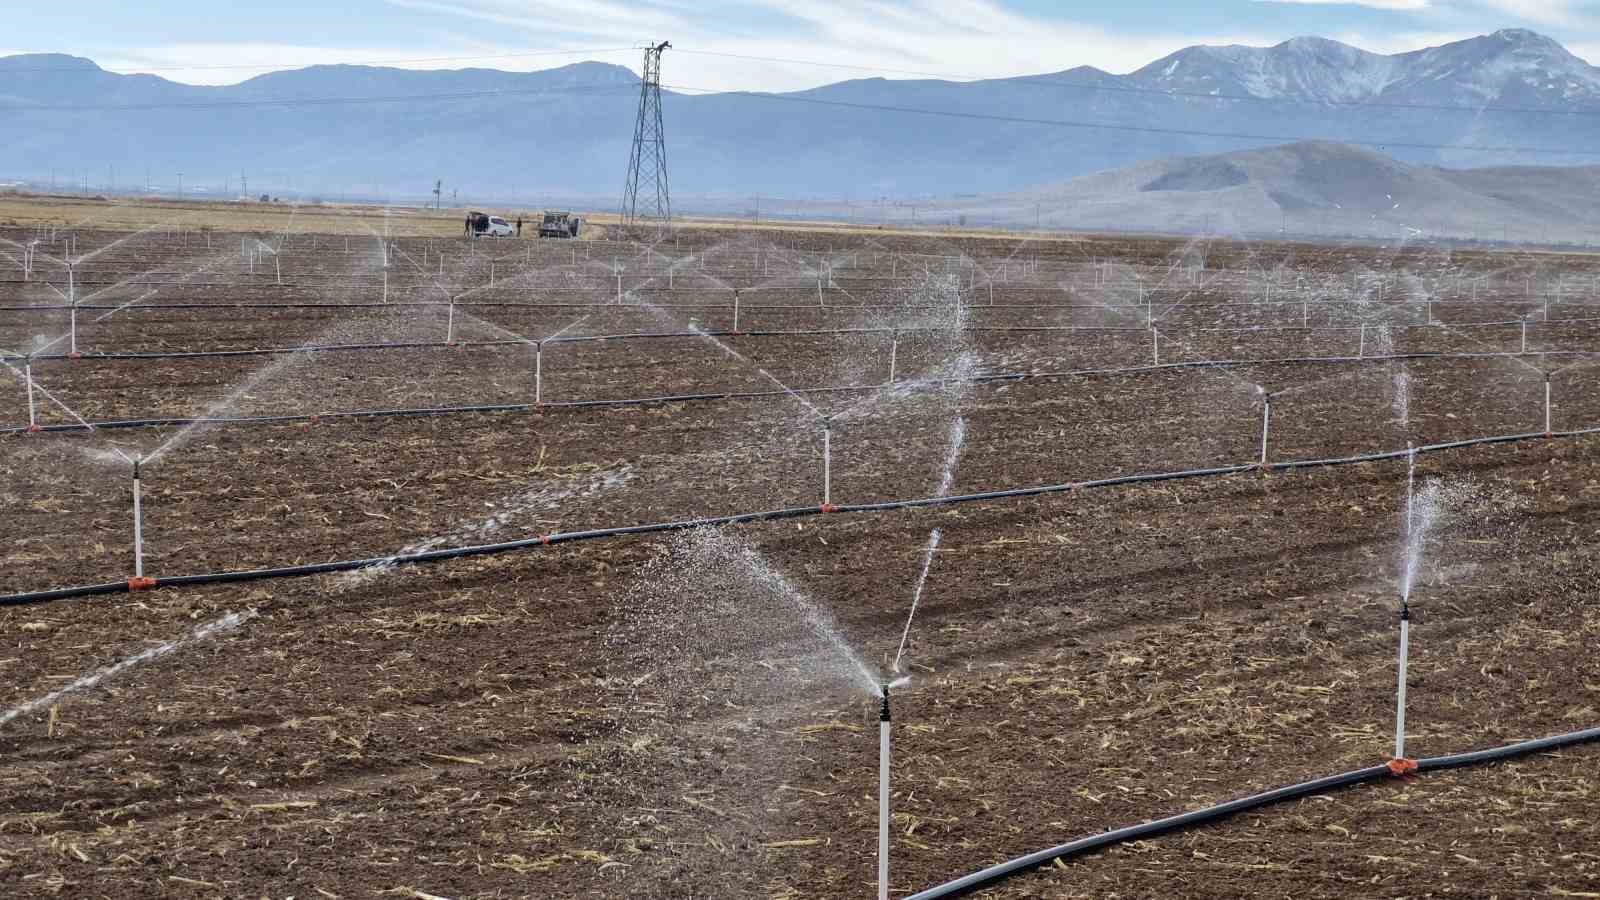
[540, 724]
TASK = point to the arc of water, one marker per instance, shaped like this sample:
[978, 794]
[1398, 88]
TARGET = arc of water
[47, 395]
[91, 679]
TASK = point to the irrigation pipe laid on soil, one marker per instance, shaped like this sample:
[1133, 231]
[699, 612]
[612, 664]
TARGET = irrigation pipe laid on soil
[986, 877]
[288, 418]
[793, 512]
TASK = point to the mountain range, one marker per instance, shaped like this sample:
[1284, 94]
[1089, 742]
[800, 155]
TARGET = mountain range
[1306, 189]
[1512, 98]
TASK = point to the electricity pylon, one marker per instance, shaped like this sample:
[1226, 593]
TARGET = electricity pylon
[646, 198]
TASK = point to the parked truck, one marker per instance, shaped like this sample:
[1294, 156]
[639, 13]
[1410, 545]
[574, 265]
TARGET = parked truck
[560, 225]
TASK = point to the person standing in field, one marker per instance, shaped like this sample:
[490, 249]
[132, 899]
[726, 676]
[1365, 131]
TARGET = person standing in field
[519, 226]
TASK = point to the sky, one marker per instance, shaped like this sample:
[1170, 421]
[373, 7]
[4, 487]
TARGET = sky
[796, 44]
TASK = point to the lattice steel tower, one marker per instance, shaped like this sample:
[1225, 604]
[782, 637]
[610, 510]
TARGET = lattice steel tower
[646, 198]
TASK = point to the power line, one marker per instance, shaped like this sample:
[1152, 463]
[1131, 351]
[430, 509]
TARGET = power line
[1046, 81]
[628, 88]
[1139, 129]
[140, 70]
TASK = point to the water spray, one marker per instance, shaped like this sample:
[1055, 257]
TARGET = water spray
[883, 795]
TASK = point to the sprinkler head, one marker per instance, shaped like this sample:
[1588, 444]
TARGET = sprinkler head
[883, 708]
[1405, 609]
[136, 461]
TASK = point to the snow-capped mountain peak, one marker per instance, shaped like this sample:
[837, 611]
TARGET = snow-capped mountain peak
[1514, 65]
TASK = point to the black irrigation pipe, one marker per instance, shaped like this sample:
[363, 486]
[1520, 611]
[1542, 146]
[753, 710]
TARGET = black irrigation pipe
[717, 396]
[515, 304]
[793, 512]
[1195, 818]
[503, 342]
[804, 332]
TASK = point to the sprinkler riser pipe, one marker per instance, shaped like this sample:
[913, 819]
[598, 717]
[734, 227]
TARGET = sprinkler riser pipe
[894, 353]
[138, 525]
[1547, 404]
[27, 374]
[1400, 690]
[883, 797]
[538, 373]
[1266, 424]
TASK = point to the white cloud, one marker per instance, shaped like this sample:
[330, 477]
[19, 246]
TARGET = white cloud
[1373, 4]
[961, 39]
[957, 39]
[1544, 12]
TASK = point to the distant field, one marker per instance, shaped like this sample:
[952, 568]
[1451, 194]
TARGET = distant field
[30, 210]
